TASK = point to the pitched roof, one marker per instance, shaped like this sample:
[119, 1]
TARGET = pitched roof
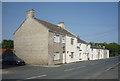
[54, 27]
[96, 47]
[81, 41]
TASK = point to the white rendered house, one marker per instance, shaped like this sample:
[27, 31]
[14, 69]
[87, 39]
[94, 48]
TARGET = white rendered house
[71, 49]
[83, 50]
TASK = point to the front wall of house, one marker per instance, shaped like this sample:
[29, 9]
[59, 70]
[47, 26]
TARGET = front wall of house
[95, 54]
[84, 52]
[71, 48]
[55, 47]
[88, 52]
[84, 55]
[101, 53]
[91, 54]
[107, 53]
[79, 52]
[31, 42]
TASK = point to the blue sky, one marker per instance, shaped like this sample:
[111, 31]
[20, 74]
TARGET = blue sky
[92, 21]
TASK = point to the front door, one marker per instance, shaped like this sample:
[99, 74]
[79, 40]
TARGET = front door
[63, 58]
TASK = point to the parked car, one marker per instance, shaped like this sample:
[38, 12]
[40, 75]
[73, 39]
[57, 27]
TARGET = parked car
[12, 61]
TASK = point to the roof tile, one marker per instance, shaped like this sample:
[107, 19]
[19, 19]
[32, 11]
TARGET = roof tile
[54, 27]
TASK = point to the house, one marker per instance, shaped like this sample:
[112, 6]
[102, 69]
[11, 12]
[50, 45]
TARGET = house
[98, 52]
[83, 49]
[105, 53]
[40, 42]
[71, 51]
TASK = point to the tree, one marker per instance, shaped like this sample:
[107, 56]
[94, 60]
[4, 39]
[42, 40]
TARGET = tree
[0, 45]
[7, 44]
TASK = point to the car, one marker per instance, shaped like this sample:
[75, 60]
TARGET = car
[12, 61]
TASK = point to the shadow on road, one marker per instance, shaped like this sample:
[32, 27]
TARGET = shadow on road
[7, 66]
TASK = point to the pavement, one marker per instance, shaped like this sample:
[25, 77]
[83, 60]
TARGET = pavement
[97, 69]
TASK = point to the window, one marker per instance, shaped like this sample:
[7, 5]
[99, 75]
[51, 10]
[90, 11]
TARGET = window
[80, 56]
[63, 39]
[78, 47]
[63, 49]
[72, 54]
[80, 50]
[56, 38]
[72, 41]
[56, 56]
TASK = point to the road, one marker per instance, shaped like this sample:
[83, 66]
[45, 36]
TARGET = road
[98, 69]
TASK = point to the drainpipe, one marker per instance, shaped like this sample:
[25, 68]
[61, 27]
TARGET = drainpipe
[65, 51]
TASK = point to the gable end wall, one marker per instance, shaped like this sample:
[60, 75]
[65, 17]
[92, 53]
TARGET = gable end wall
[31, 42]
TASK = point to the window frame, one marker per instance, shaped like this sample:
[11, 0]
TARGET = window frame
[63, 39]
[56, 56]
[72, 55]
[57, 38]
[72, 41]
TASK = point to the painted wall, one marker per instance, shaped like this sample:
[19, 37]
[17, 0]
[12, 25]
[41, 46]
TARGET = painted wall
[84, 52]
[107, 53]
[71, 48]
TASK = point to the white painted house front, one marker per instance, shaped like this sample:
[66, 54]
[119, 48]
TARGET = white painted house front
[83, 50]
[71, 51]
[98, 52]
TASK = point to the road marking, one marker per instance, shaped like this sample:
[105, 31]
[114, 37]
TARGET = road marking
[37, 76]
[112, 67]
[74, 68]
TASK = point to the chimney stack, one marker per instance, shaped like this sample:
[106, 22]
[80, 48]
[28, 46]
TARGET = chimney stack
[99, 45]
[61, 24]
[104, 47]
[30, 13]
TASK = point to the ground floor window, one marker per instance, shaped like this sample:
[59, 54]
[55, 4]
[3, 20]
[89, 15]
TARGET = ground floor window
[80, 56]
[72, 54]
[56, 56]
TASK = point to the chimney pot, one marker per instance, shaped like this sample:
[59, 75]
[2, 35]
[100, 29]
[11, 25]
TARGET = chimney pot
[61, 24]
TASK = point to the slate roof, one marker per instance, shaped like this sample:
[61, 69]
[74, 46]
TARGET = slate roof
[54, 27]
[96, 47]
[81, 41]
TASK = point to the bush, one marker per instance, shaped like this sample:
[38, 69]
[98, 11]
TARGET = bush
[7, 44]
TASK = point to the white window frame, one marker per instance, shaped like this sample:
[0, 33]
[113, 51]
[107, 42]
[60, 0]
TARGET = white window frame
[56, 38]
[56, 56]
[80, 55]
[72, 41]
[72, 55]
[63, 39]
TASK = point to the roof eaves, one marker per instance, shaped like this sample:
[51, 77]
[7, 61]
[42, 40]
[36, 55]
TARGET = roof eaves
[19, 27]
[54, 28]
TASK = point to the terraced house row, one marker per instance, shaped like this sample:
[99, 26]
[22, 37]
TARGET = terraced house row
[42, 43]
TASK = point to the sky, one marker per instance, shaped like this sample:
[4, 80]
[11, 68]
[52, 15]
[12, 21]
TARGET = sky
[91, 21]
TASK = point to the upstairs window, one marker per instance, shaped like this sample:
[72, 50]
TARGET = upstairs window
[78, 47]
[72, 41]
[63, 39]
[57, 38]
